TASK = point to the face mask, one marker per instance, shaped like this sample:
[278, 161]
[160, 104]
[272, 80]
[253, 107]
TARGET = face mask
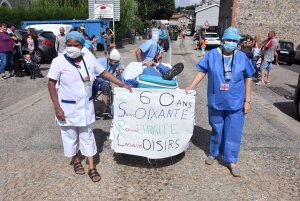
[230, 46]
[115, 65]
[73, 52]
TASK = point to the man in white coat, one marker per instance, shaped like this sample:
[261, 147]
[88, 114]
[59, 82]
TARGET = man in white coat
[73, 103]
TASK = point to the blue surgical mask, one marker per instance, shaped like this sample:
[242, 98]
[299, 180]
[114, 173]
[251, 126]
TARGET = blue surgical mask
[115, 65]
[230, 46]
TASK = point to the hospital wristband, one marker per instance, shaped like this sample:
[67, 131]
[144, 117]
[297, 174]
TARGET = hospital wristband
[248, 102]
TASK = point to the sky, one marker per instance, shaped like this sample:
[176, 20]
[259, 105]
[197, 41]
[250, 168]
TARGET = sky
[184, 3]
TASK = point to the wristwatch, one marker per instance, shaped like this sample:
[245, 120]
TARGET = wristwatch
[248, 102]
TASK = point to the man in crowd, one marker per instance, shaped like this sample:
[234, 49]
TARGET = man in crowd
[268, 57]
[60, 42]
[151, 50]
[11, 27]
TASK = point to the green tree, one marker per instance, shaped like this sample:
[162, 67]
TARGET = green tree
[128, 18]
[152, 9]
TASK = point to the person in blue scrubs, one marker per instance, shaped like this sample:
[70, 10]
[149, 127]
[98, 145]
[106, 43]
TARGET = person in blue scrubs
[154, 69]
[229, 97]
[152, 50]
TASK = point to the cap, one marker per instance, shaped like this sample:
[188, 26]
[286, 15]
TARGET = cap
[11, 24]
[231, 33]
[115, 55]
[77, 36]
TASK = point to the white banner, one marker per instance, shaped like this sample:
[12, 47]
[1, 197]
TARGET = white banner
[152, 123]
[104, 11]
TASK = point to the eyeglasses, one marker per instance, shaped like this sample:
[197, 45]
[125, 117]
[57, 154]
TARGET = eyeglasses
[230, 40]
[115, 62]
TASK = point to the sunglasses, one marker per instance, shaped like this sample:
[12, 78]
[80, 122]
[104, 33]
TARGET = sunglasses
[230, 40]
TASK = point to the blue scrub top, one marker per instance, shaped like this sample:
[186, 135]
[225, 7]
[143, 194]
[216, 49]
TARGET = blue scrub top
[232, 99]
[149, 49]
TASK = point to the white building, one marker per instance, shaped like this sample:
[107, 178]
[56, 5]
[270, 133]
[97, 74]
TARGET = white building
[207, 13]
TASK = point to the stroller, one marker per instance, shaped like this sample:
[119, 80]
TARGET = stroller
[29, 67]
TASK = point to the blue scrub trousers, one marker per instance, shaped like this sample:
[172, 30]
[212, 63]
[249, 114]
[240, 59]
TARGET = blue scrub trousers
[227, 127]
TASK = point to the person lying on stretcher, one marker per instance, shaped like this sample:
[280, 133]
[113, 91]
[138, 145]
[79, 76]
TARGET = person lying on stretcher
[154, 69]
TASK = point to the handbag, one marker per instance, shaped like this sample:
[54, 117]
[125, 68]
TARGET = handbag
[24, 49]
[112, 45]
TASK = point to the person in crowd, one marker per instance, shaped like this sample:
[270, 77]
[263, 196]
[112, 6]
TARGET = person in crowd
[17, 43]
[110, 64]
[268, 57]
[94, 42]
[86, 37]
[74, 108]
[60, 41]
[203, 46]
[229, 97]
[197, 39]
[108, 35]
[82, 26]
[183, 32]
[256, 49]
[6, 52]
[30, 42]
[29, 62]
[151, 50]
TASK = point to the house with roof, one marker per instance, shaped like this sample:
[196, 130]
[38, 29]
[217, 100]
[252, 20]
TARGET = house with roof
[207, 16]
[180, 20]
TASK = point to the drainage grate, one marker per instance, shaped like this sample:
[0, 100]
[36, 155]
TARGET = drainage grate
[280, 91]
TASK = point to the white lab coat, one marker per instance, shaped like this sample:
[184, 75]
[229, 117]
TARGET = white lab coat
[74, 95]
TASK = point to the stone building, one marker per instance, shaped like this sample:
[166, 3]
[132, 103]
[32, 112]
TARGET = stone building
[181, 19]
[257, 17]
[13, 3]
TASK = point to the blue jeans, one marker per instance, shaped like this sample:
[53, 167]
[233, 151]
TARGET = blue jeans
[6, 59]
[254, 61]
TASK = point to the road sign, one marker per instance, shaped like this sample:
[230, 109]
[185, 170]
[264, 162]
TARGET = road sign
[205, 25]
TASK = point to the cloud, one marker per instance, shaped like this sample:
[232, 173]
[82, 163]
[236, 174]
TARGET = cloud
[184, 3]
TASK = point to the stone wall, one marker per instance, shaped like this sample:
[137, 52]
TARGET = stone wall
[257, 17]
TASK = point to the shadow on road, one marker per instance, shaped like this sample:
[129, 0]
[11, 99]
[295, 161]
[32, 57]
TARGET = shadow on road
[143, 162]
[288, 108]
[201, 138]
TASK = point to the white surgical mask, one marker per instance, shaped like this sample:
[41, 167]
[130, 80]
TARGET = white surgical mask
[73, 52]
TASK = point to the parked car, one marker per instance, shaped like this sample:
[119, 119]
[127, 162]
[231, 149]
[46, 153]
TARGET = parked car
[212, 39]
[297, 98]
[297, 56]
[46, 44]
[286, 52]
[188, 32]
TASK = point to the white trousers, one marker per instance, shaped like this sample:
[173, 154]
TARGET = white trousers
[78, 138]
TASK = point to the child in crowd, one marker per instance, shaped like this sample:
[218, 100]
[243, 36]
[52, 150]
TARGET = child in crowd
[28, 62]
[203, 46]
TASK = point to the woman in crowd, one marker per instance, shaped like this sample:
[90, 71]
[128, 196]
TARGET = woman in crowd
[229, 97]
[73, 103]
[30, 42]
[6, 53]
[256, 48]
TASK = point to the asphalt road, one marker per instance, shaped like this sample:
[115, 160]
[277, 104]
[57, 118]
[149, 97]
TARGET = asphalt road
[34, 168]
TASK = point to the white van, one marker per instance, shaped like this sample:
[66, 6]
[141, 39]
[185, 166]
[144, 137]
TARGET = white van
[51, 27]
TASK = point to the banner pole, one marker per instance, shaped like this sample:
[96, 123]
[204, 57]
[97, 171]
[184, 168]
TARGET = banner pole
[114, 24]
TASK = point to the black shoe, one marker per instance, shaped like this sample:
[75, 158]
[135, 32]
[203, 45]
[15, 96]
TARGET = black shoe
[176, 70]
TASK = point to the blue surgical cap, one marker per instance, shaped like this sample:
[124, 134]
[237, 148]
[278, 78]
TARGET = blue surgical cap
[231, 33]
[88, 44]
[162, 34]
[77, 36]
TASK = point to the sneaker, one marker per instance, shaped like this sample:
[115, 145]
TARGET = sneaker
[176, 70]
[260, 83]
[12, 75]
[3, 77]
[210, 160]
[235, 171]
[268, 83]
